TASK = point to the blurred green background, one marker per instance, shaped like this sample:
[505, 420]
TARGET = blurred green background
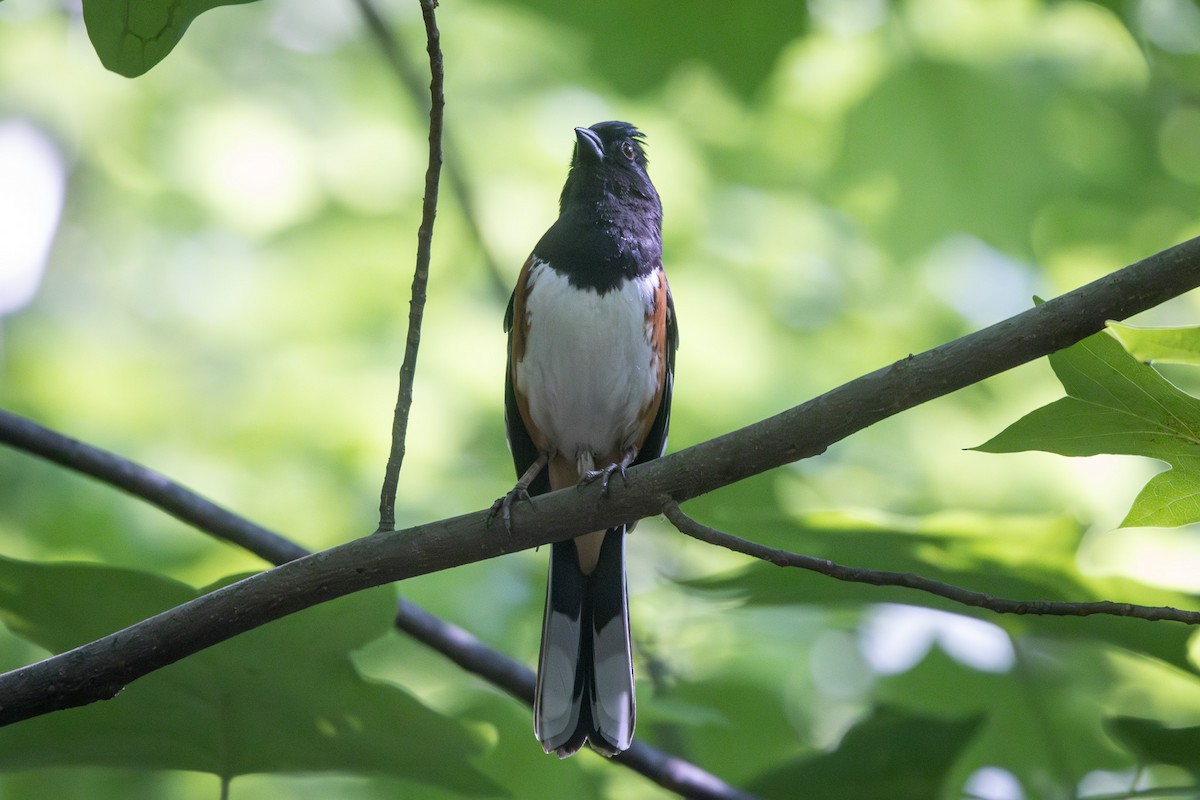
[206, 269]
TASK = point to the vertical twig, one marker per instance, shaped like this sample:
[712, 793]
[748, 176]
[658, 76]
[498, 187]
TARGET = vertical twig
[416, 305]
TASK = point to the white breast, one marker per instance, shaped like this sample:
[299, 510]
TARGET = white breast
[590, 367]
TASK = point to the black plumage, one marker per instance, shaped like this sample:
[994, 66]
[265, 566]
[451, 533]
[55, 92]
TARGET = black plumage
[597, 270]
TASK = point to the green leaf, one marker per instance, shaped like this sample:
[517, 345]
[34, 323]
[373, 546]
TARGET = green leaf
[131, 36]
[1156, 743]
[1073, 427]
[1117, 404]
[281, 698]
[1165, 345]
[1170, 498]
[890, 754]
[628, 47]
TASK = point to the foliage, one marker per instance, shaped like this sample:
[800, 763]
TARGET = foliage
[1162, 345]
[131, 37]
[1117, 405]
[844, 183]
[909, 758]
[283, 698]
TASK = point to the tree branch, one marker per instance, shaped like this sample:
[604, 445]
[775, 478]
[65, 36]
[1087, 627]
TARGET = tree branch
[99, 669]
[416, 305]
[782, 558]
[456, 644]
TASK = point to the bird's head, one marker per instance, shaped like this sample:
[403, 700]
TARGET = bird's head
[609, 162]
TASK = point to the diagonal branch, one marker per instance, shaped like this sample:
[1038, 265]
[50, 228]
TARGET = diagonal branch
[458, 645]
[99, 669]
[782, 558]
[416, 305]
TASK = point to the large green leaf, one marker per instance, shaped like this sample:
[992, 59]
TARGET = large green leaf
[131, 36]
[281, 698]
[890, 754]
[1116, 404]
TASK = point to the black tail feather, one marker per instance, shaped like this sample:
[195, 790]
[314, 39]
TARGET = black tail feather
[585, 691]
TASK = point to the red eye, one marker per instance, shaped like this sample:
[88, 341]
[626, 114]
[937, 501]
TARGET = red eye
[627, 149]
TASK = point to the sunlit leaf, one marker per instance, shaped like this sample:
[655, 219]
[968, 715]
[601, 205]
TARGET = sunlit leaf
[1170, 498]
[1165, 345]
[1116, 404]
[131, 36]
[284, 697]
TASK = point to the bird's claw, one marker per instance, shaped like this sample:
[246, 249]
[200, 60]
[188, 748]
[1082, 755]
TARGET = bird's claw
[606, 474]
[503, 506]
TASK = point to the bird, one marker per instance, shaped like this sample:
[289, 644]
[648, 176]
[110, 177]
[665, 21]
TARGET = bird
[591, 362]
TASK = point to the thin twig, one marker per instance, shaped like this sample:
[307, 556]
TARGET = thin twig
[99, 670]
[411, 82]
[908, 580]
[456, 644]
[416, 304]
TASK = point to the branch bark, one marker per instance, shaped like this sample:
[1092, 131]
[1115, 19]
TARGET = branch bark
[823, 566]
[416, 303]
[99, 669]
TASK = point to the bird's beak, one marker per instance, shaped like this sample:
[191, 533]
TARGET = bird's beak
[588, 146]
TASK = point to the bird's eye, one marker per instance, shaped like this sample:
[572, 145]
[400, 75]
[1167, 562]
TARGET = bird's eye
[627, 150]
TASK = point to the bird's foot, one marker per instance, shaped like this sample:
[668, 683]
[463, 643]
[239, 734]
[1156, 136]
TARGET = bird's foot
[503, 506]
[605, 474]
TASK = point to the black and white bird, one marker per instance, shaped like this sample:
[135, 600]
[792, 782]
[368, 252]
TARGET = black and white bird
[591, 359]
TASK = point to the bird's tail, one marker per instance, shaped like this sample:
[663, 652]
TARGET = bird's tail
[585, 672]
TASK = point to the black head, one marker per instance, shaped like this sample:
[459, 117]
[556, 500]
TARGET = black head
[609, 162]
[609, 226]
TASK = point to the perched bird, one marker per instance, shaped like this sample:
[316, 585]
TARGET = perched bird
[591, 360]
